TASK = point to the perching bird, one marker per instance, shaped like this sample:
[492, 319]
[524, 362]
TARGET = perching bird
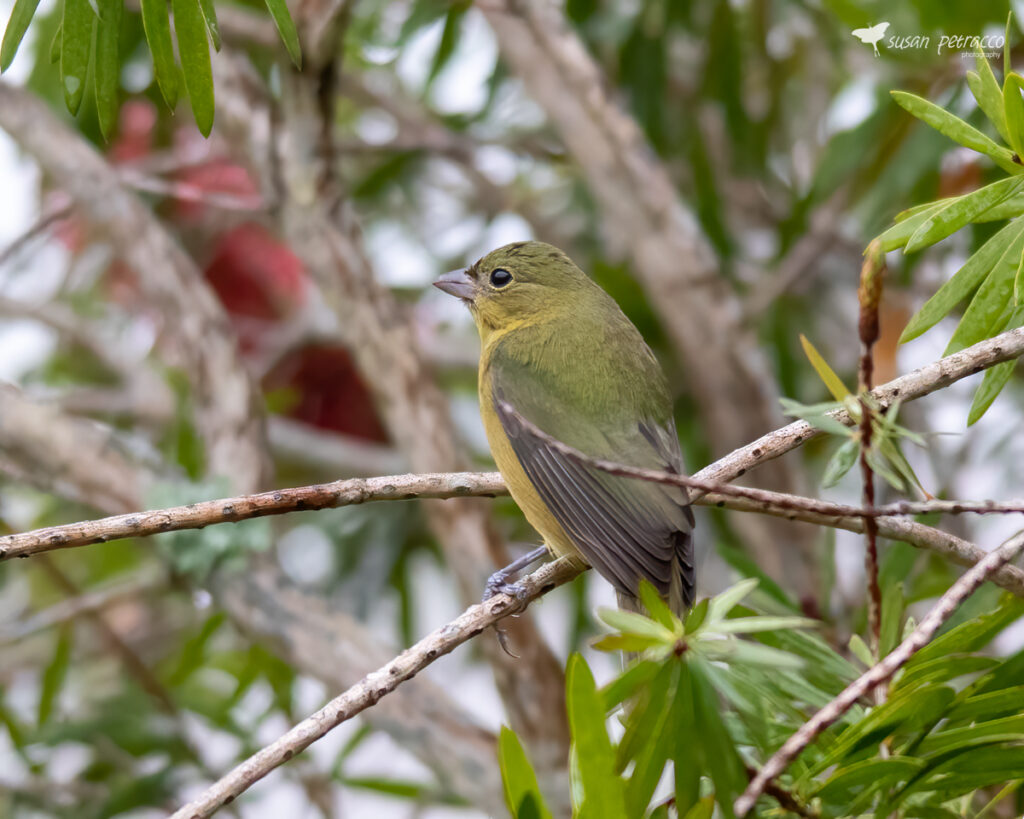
[559, 352]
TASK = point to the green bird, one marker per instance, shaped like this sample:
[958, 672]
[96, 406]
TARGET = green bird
[560, 353]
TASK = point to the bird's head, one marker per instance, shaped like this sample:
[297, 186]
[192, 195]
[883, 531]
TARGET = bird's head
[519, 283]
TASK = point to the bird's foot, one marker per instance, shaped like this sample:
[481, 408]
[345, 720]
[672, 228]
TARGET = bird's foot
[497, 584]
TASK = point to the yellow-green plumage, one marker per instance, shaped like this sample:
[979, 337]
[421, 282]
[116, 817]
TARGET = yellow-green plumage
[559, 350]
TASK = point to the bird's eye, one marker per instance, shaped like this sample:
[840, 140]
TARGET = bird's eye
[500, 277]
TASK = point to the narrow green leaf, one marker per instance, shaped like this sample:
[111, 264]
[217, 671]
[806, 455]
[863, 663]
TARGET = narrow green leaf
[956, 129]
[840, 463]
[817, 415]
[1007, 64]
[195, 61]
[991, 300]
[626, 684]
[860, 650]
[870, 773]
[286, 28]
[1013, 104]
[657, 609]
[722, 603]
[719, 753]
[963, 282]
[962, 211]
[210, 16]
[1009, 208]
[55, 674]
[744, 651]
[646, 743]
[704, 809]
[972, 635]
[695, 617]
[1018, 283]
[997, 730]
[17, 25]
[76, 42]
[825, 372]
[518, 775]
[905, 227]
[603, 791]
[156, 24]
[449, 39]
[753, 625]
[992, 384]
[916, 210]
[633, 623]
[883, 469]
[943, 670]
[686, 754]
[55, 45]
[626, 642]
[982, 707]
[988, 94]
[107, 67]
[890, 449]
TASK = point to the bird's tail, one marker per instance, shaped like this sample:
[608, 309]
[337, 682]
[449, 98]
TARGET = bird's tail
[682, 586]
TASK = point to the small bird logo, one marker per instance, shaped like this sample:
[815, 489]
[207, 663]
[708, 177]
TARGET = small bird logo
[871, 36]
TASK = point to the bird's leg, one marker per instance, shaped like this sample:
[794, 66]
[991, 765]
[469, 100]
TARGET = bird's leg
[496, 583]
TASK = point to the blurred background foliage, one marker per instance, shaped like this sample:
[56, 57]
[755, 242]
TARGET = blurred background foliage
[775, 126]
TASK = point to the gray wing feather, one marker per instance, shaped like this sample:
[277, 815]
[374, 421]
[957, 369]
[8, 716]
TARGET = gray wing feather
[625, 528]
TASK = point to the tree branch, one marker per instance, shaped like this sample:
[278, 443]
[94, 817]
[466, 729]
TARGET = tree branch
[490, 484]
[955, 549]
[368, 691]
[231, 510]
[881, 672]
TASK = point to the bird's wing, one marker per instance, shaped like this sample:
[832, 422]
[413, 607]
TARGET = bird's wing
[625, 528]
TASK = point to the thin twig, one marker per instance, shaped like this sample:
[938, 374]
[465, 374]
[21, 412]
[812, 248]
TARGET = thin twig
[882, 671]
[955, 549]
[869, 296]
[230, 510]
[375, 685]
[490, 484]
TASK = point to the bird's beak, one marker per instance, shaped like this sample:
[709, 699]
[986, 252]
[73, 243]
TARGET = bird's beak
[456, 283]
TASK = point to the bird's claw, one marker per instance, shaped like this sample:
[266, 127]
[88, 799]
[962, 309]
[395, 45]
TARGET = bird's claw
[503, 641]
[497, 584]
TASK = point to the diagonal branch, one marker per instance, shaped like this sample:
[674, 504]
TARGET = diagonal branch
[881, 672]
[368, 691]
[275, 502]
